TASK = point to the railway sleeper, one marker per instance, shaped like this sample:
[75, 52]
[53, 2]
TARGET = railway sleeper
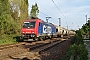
[37, 46]
[45, 48]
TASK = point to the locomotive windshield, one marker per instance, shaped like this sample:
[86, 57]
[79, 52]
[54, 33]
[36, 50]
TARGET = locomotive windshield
[29, 24]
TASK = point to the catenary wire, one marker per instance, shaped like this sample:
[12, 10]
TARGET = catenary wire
[58, 9]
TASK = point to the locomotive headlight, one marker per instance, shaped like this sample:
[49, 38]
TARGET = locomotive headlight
[23, 32]
[32, 32]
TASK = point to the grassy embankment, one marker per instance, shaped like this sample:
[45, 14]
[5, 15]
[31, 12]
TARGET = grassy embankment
[8, 39]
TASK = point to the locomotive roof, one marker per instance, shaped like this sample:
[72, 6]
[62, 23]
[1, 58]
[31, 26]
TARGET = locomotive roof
[38, 19]
[33, 19]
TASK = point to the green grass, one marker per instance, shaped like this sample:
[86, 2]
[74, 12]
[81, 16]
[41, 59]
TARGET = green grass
[7, 40]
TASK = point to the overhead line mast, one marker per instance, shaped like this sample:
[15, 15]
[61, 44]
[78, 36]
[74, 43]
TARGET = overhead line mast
[59, 21]
[47, 19]
[86, 18]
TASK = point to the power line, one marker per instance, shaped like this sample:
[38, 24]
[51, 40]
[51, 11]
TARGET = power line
[58, 8]
[44, 9]
[42, 12]
[63, 9]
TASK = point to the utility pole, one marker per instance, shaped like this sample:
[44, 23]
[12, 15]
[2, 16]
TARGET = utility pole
[59, 21]
[78, 26]
[47, 19]
[86, 18]
[67, 27]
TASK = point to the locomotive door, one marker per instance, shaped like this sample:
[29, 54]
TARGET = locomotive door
[40, 28]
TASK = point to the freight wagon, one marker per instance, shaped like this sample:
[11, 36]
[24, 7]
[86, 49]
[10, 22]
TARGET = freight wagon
[60, 31]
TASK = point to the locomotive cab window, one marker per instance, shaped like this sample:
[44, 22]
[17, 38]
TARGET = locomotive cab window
[29, 24]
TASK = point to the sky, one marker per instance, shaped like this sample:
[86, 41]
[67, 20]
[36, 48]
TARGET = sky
[71, 12]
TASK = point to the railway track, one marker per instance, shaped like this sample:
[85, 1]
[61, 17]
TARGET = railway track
[36, 47]
[18, 44]
[45, 46]
[5, 52]
[11, 45]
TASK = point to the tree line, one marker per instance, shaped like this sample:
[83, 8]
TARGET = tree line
[12, 14]
[85, 30]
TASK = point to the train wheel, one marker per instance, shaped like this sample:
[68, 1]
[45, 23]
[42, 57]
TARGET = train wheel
[44, 38]
[41, 38]
[61, 36]
[35, 38]
[50, 37]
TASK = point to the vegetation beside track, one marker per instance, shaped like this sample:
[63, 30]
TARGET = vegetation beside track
[77, 50]
[12, 14]
[11, 19]
[7, 39]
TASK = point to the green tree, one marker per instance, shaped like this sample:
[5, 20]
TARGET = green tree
[19, 11]
[12, 14]
[86, 28]
[78, 52]
[4, 16]
[34, 11]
